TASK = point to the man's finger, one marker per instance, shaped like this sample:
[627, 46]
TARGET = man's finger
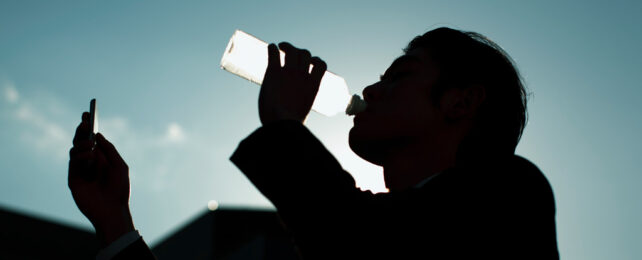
[81, 146]
[102, 165]
[82, 131]
[110, 151]
[82, 156]
[274, 59]
[318, 70]
[85, 116]
[291, 55]
[304, 60]
[79, 165]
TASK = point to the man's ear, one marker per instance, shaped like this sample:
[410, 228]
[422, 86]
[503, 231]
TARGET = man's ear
[462, 103]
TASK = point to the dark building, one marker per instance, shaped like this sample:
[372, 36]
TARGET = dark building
[26, 237]
[221, 234]
[230, 235]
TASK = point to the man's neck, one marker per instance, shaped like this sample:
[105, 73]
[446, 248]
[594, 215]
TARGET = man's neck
[406, 167]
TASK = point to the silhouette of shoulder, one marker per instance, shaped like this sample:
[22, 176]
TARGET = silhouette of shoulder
[513, 174]
[503, 207]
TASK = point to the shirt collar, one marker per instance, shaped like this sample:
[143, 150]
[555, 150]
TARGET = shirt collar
[426, 180]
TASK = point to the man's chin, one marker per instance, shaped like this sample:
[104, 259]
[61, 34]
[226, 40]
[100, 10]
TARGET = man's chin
[365, 147]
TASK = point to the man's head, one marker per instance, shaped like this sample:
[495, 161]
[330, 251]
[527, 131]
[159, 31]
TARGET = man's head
[451, 91]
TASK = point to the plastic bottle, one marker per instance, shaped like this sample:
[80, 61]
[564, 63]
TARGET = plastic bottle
[246, 56]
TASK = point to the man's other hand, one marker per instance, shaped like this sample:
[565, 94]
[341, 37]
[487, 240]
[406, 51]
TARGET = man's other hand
[288, 92]
[99, 182]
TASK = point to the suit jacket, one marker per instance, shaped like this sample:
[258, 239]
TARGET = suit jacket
[500, 208]
[136, 250]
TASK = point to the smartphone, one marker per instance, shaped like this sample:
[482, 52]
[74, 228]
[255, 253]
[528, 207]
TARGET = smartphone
[93, 120]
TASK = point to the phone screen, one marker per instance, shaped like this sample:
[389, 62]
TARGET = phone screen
[93, 119]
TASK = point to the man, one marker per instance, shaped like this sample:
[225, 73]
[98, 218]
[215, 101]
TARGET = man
[443, 122]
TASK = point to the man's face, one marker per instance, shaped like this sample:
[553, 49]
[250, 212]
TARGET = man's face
[400, 110]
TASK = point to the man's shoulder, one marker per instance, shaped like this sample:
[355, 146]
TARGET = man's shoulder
[521, 164]
[511, 174]
[518, 181]
[514, 168]
[525, 173]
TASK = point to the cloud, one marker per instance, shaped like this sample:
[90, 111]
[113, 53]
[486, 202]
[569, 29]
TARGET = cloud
[148, 151]
[10, 93]
[114, 127]
[39, 126]
[119, 129]
[47, 134]
[175, 133]
[45, 124]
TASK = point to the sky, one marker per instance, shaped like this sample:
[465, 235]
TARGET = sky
[176, 117]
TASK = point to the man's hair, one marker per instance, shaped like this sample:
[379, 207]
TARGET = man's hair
[468, 58]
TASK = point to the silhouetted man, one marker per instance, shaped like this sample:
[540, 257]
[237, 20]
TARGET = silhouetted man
[443, 122]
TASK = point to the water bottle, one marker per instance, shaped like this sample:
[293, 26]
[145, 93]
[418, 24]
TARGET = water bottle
[246, 56]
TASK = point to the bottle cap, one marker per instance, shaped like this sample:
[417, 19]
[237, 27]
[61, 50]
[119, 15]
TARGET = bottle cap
[356, 105]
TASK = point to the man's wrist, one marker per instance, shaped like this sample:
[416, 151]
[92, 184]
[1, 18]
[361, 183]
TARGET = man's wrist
[114, 227]
[282, 121]
[119, 245]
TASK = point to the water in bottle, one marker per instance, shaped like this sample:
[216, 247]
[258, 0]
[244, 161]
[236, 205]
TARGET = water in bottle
[246, 56]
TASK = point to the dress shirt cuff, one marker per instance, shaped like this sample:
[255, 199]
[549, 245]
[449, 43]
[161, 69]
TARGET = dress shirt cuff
[118, 245]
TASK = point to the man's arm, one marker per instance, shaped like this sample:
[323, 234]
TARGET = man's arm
[314, 196]
[316, 199]
[283, 158]
[99, 183]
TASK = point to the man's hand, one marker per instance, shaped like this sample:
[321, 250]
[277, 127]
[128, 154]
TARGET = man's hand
[99, 183]
[288, 92]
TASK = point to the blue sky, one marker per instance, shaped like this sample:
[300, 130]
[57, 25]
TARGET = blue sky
[176, 116]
